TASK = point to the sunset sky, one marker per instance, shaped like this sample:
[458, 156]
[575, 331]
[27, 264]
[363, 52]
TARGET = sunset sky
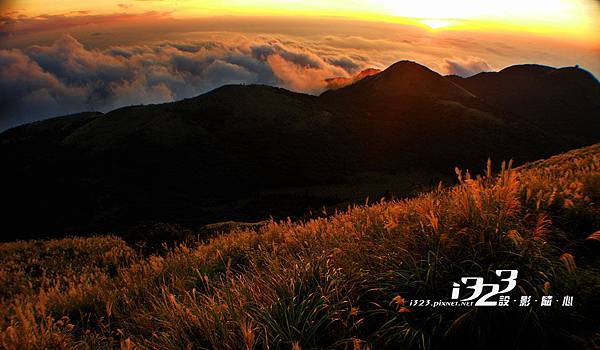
[69, 56]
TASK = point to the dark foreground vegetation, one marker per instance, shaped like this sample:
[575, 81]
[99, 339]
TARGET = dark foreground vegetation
[341, 282]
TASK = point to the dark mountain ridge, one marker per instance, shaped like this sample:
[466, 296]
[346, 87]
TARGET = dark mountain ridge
[564, 101]
[404, 78]
[235, 152]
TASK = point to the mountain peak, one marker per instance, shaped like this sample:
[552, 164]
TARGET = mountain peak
[528, 69]
[565, 99]
[405, 65]
[409, 71]
[405, 78]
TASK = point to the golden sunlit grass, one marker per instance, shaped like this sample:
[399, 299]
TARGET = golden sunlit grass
[338, 282]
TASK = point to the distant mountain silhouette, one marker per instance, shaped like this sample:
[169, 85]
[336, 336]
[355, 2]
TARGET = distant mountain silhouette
[415, 116]
[247, 152]
[564, 101]
[403, 79]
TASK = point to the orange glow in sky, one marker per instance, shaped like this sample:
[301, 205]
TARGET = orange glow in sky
[578, 19]
[153, 51]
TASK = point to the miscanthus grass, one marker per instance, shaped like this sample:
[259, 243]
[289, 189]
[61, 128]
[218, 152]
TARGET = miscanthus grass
[340, 282]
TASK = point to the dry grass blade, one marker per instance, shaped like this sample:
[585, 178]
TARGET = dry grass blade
[594, 237]
[569, 261]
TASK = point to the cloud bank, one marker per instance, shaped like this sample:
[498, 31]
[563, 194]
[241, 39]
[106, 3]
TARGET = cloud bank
[122, 59]
[66, 77]
[465, 67]
[340, 82]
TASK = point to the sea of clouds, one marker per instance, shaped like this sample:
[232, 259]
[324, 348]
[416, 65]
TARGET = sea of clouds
[54, 65]
[66, 77]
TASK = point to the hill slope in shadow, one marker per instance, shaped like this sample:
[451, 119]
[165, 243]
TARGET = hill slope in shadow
[564, 101]
[248, 152]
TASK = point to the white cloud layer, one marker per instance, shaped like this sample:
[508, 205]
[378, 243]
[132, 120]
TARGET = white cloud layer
[66, 77]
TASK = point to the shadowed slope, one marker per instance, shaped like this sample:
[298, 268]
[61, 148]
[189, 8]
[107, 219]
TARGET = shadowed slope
[424, 118]
[564, 102]
[248, 152]
[402, 79]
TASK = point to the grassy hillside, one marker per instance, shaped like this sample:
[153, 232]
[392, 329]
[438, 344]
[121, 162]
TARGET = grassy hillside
[340, 282]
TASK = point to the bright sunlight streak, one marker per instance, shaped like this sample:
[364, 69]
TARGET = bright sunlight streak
[561, 17]
[437, 23]
[539, 15]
